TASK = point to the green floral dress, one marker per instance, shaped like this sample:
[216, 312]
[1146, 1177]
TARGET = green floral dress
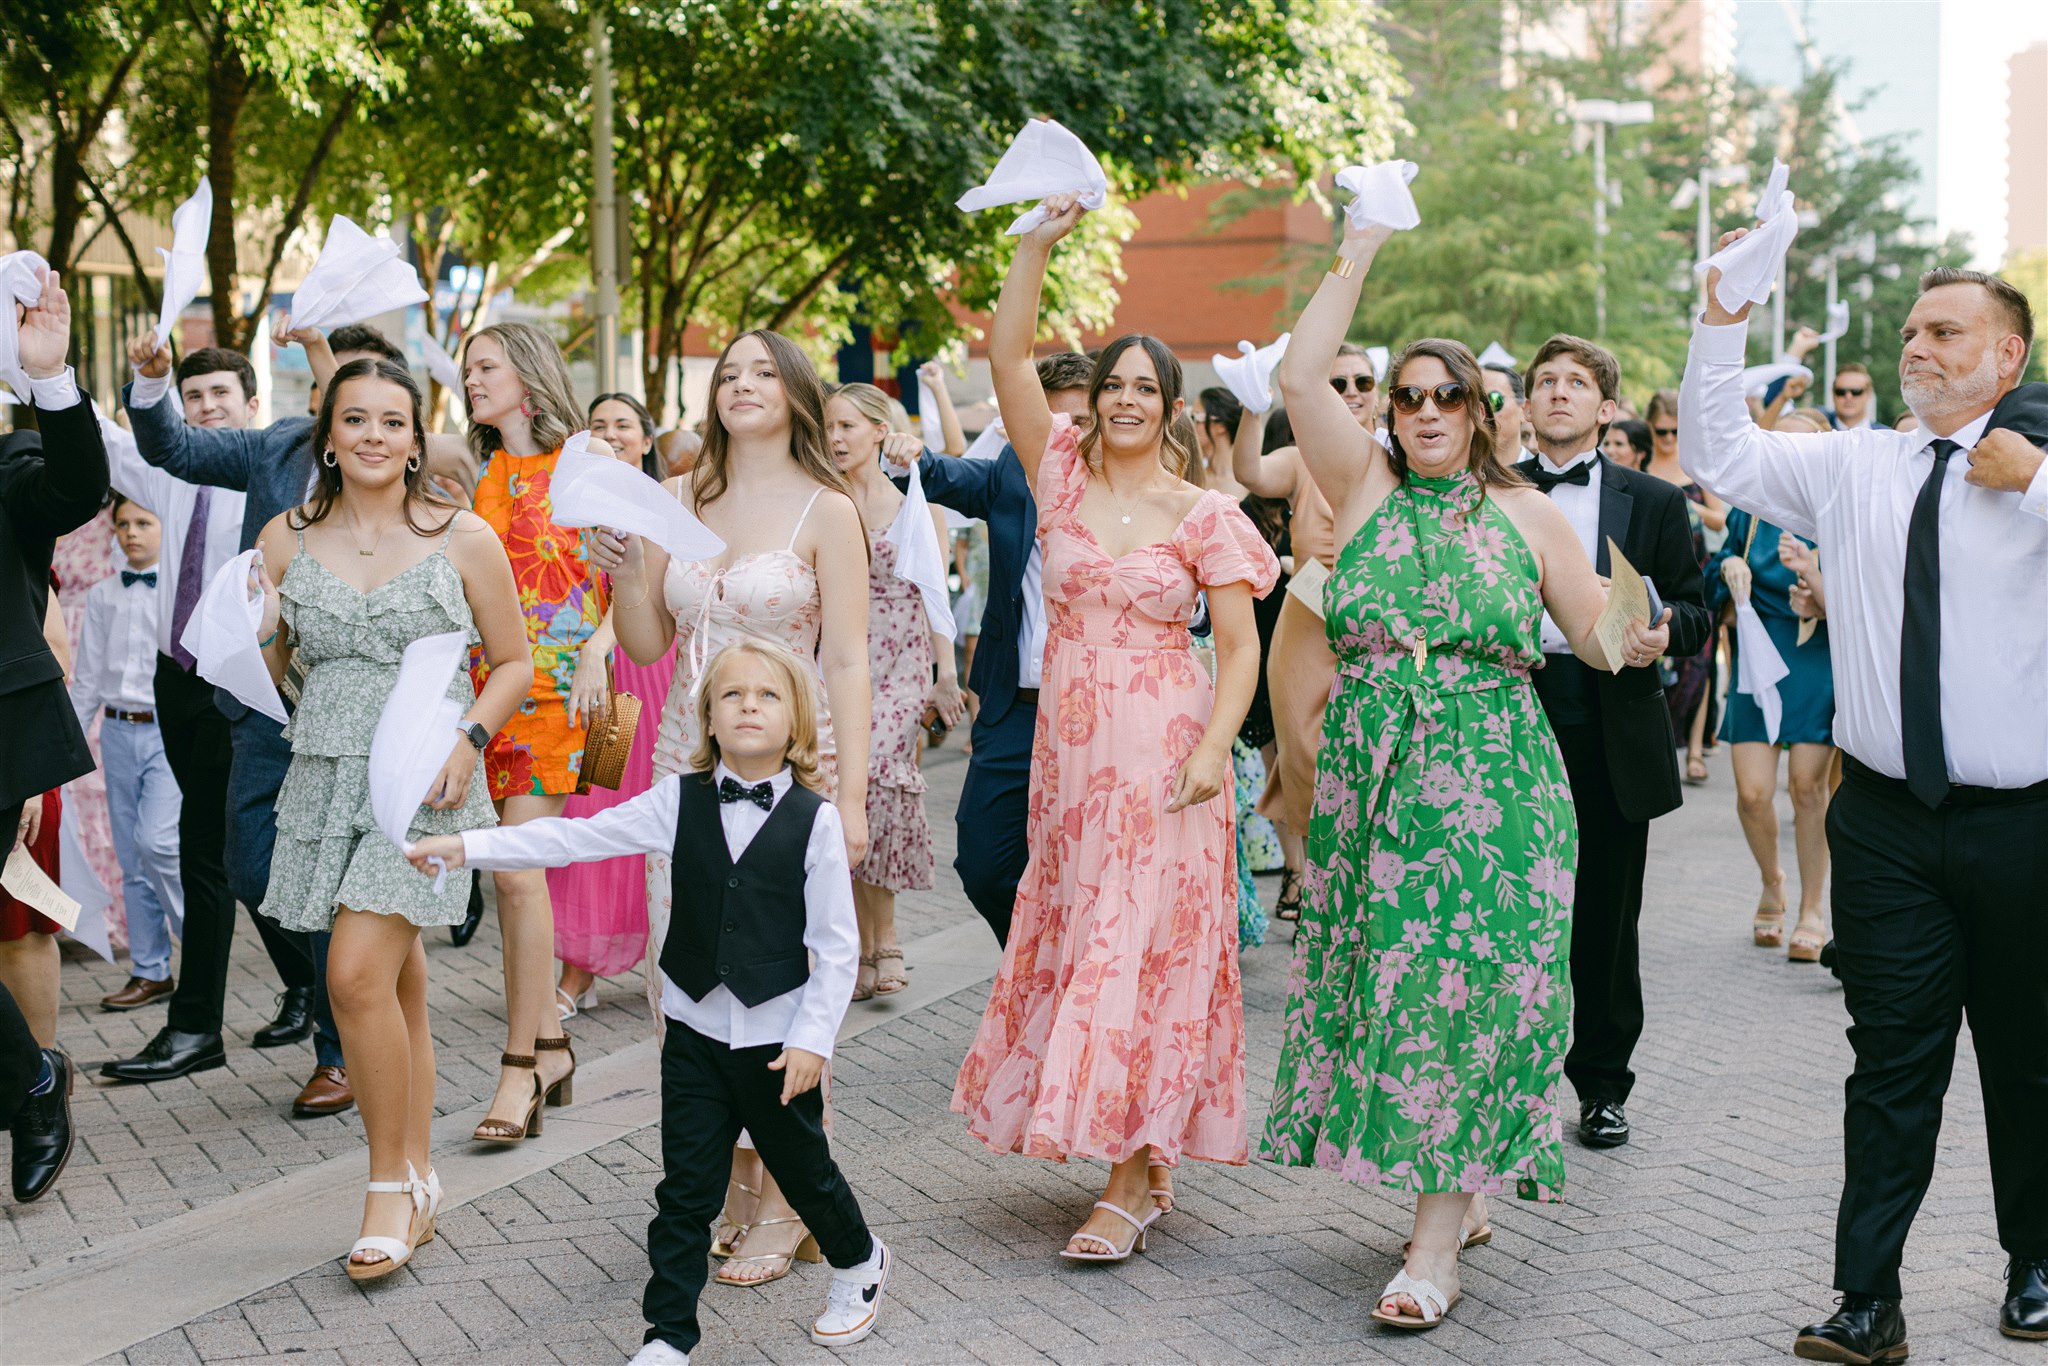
[1425, 1029]
[329, 850]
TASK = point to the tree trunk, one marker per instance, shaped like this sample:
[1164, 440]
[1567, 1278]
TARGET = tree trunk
[227, 92]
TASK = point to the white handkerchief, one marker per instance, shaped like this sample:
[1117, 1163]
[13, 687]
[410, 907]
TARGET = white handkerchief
[21, 281]
[1249, 373]
[441, 365]
[415, 734]
[221, 637]
[357, 276]
[1379, 194]
[600, 490]
[185, 262]
[1043, 159]
[989, 442]
[1379, 356]
[83, 885]
[919, 559]
[1749, 265]
[1760, 666]
[1838, 321]
[1758, 378]
[1496, 357]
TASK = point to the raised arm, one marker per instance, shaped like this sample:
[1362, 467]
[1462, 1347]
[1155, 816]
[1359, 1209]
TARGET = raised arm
[63, 490]
[1268, 476]
[950, 432]
[1027, 417]
[1338, 453]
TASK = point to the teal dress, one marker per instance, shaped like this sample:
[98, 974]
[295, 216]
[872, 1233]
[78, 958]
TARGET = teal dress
[1425, 1030]
[329, 851]
[1806, 695]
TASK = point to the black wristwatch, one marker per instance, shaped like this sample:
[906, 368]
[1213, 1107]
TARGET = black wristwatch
[475, 733]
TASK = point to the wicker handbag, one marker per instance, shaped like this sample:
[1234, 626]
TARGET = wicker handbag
[605, 747]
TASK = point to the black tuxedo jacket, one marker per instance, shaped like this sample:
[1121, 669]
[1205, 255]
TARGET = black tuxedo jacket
[2024, 410]
[997, 492]
[1646, 517]
[41, 746]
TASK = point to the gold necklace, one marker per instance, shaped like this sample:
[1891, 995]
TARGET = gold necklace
[355, 535]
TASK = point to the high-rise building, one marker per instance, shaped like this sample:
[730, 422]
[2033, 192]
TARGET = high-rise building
[2026, 150]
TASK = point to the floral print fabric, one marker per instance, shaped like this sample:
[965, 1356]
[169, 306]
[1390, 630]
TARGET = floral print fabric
[899, 855]
[1425, 1029]
[1117, 1018]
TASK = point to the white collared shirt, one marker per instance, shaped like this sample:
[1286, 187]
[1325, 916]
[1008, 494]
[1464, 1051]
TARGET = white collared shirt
[806, 1018]
[172, 500]
[1580, 504]
[1853, 492]
[116, 661]
[1031, 632]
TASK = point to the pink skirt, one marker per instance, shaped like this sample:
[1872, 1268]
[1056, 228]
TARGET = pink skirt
[601, 908]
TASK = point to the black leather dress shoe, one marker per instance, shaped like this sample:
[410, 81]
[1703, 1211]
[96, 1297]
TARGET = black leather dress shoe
[42, 1134]
[466, 931]
[1602, 1124]
[172, 1053]
[1865, 1329]
[2026, 1301]
[294, 1019]
[1829, 960]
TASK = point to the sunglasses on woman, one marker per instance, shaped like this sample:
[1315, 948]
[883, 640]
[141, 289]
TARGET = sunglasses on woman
[1408, 398]
[1342, 382]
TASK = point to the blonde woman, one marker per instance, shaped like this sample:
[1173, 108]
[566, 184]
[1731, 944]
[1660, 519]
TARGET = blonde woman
[795, 571]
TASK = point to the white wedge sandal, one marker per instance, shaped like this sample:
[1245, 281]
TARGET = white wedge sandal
[397, 1251]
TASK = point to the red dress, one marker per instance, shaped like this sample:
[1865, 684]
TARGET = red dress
[17, 920]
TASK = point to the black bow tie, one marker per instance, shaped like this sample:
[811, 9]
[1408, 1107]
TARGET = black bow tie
[129, 578]
[1546, 479]
[760, 794]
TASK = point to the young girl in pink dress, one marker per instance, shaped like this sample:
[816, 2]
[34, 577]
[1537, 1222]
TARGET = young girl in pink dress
[1116, 1026]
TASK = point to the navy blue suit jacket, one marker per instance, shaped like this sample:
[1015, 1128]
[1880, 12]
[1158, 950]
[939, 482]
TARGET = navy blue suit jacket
[997, 492]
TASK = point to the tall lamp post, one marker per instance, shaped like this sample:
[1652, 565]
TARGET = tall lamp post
[1700, 190]
[1600, 114]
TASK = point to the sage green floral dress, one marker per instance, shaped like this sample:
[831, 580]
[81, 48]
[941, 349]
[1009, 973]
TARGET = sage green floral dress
[329, 850]
[1425, 1031]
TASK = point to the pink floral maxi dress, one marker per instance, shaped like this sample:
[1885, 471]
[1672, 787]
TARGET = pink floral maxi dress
[1425, 1029]
[1117, 1019]
[899, 854]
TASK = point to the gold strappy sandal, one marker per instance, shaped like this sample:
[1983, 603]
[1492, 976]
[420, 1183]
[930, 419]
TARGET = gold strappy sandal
[805, 1251]
[725, 1245]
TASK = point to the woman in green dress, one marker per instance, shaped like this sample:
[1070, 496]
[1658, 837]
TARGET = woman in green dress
[1425, 1030]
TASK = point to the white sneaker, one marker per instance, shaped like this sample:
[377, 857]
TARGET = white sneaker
[853, 1301]
[659, 1353]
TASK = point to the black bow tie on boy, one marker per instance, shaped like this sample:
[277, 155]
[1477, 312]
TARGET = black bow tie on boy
[1545, 479]
[147, 578]
[760, 794]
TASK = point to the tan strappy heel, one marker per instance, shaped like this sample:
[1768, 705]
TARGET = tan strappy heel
[805, 1251]
[510, 1131]
[722, 1246]
[562, 1092]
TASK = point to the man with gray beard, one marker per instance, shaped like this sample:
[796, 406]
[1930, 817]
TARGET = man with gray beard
[1938, 595]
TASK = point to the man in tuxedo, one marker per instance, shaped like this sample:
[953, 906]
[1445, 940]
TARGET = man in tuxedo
[995, 798]
[50, 483]
[1614, 729]
[1936, 830]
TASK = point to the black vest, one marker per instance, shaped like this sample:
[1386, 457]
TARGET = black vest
[739, 925]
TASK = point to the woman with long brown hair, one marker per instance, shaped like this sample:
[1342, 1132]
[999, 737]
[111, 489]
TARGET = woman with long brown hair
[795, 571]
[1425, 1030]
[1115, 1029]
[330, 593]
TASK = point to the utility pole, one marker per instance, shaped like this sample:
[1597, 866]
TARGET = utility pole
[1601, 113]
[604, 229]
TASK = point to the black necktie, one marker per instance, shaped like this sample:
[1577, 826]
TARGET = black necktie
[1920, 640]
[147, 578]
[760, 794]
[1546, 479]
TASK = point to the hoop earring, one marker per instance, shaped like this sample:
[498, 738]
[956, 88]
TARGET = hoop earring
[526, 405]
[328, 459]
[412, 466]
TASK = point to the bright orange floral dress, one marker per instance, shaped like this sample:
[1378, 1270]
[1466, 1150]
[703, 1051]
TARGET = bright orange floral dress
[1117, 1019]
[563, 599]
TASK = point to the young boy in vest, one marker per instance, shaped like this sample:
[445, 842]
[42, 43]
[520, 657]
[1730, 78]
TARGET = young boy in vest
[762, 887]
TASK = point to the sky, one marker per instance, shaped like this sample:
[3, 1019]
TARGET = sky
[1977, 36]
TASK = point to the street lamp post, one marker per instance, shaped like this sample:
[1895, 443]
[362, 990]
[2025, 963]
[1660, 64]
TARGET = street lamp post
[1699, 190]
[1600, 114]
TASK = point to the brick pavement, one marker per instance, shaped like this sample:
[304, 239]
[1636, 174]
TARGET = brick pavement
[1706, 1240]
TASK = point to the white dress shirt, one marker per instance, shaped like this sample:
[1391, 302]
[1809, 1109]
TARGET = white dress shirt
[1853, 492]
[1580, 504]
[806, 1018]
[171, 499]
[1031, 638]
[115, 665]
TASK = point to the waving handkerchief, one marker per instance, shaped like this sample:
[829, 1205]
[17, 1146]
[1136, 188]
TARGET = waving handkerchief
[1496, 357]
[1043, 159]
[1249, 374]
[441, 365]
[598, 490]
[357, 276]
[185, 262]
[1379, 356]
[1379, 194]
[1749, 265]
[1759, 378]
[1759, 666]
[918, 557]
[415, 734]
[21, 282]
[1838, 321]
[988, 443]
[221, 638]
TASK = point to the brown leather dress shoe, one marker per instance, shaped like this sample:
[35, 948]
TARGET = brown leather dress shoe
[140, 991]
[327, 1093]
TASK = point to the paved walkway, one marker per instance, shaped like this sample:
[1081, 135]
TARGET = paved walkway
[198, 1224]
